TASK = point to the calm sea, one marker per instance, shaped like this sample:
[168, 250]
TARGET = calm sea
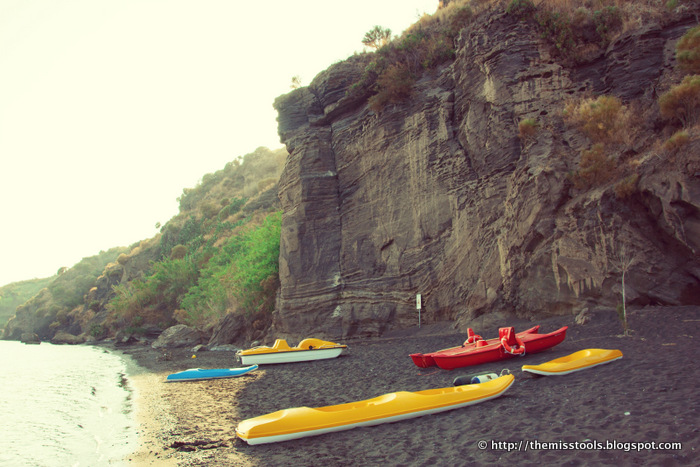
[63, 405]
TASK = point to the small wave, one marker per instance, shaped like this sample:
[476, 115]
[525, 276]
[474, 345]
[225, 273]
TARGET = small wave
[67, 405]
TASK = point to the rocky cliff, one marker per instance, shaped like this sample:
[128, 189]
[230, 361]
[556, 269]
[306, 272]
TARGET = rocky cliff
[439, 195]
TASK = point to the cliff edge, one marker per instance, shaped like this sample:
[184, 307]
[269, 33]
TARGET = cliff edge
[441, 195]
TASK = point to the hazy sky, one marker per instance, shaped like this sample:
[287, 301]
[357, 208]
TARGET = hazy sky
[109, 108]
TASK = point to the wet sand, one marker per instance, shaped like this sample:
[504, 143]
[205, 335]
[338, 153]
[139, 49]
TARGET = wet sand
[591, 417]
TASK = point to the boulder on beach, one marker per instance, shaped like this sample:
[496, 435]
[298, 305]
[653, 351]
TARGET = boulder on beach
[178, 336]
[63, 337]
[29, 338]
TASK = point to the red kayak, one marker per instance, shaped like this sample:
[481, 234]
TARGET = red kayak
[476, 350]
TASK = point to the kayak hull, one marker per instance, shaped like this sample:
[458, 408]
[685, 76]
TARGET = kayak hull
[291, 356]
[492, 350]
[577, 361]
[308, 350]
[199, 374]
[301, 422]
[426, 360]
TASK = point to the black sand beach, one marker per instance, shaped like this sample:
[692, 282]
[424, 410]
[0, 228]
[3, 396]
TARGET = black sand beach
[614, 414]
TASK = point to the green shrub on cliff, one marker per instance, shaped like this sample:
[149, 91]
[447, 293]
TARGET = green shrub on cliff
[682, 102]
[603, 120]
[595, 167]
[678, 140]
[521, 8]
[189, 235]
[157, 294]
[424, 46]
[688, 51]
[238, 276]
[607, 21]
[377, 37]
[394, 85]
[555, 27]
[527, 128]
[572, 30]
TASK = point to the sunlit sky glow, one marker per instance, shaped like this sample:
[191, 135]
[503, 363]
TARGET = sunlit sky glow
[109, 108]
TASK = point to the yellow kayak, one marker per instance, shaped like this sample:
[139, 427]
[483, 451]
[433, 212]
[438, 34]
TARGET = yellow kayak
[309, 349]
[301, 422]
[581, 360]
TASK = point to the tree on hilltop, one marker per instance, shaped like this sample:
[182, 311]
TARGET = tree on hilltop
[377, 37]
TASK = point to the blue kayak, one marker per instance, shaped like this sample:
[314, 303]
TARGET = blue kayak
[196, 374]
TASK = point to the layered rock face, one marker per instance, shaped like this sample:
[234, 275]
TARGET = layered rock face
[439, 196]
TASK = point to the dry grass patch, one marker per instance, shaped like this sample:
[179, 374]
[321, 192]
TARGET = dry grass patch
[604, 119]
[682, 102]
[677, 141]
[528, 128]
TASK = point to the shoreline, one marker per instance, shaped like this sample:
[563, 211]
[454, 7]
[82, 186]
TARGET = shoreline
[151, 414]
[641, 398]
[179, 423]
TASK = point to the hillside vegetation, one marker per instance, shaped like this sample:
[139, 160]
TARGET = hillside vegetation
[592, 150]
[576, 31]
[217, 256]
[14, 294]
[50, 309]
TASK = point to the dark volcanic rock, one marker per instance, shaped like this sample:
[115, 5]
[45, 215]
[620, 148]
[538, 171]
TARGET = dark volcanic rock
[439, 196]
[29, 338]
[62, 337]
[230, 329]
[178, 336]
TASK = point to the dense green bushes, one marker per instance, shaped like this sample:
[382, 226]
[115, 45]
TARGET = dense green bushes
[207, 283]
[155, 296]
[238, 275]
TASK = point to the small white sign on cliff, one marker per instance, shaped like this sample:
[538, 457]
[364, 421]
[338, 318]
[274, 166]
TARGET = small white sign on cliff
[418, 307]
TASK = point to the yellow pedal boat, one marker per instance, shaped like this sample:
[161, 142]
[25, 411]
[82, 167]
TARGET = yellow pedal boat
[307, 350]
[577, 361]
[300, 422]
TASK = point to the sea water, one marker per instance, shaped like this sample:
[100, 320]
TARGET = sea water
[64, 405]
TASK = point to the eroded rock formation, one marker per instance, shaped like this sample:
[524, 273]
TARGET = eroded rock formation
[438, 195]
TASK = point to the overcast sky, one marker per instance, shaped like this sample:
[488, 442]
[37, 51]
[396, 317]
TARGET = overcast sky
[109, 108]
